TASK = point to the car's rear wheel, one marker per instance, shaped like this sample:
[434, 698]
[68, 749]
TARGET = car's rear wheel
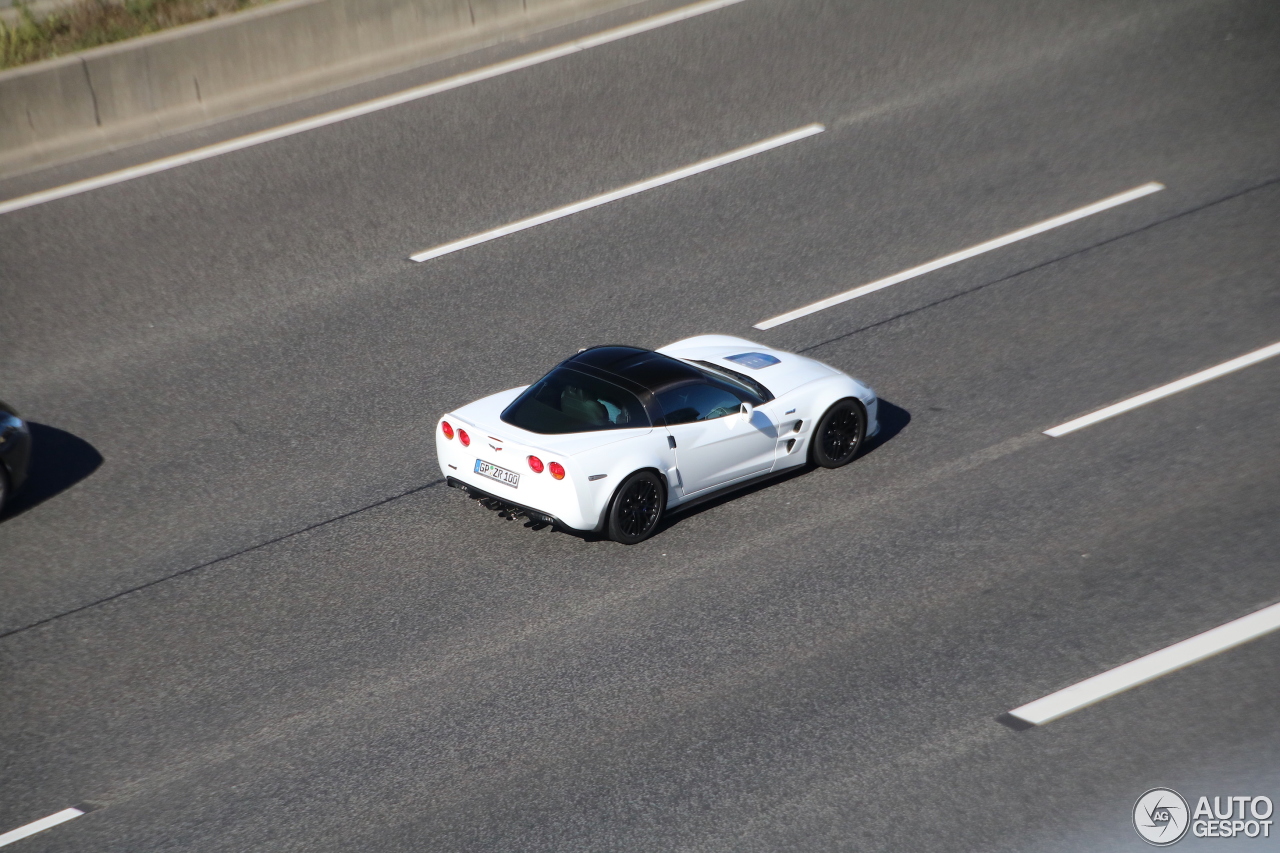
[636, 508]
[839, 434]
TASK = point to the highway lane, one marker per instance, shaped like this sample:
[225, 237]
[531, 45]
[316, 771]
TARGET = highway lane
[424, 652]
[392, 686]
[253, 267]
[360, 631]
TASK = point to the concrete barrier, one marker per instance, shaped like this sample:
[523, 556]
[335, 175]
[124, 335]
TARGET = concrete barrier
[133, 90]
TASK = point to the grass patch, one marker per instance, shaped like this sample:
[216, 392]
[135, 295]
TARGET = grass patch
[90, 23]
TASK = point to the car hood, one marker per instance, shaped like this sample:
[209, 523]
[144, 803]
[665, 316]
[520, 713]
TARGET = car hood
[788, 374]
[486, 414]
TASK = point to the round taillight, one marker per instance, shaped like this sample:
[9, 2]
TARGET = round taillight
[535, 464]
[557, 470]
[446, 429]
[464, 438]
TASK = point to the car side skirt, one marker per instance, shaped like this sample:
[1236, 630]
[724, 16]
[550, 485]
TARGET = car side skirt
[727, 488]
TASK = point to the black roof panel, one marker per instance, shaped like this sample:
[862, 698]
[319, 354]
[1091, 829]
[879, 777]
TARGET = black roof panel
[606, 356]
[648, 369]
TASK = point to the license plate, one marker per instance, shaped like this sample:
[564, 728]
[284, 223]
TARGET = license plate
[493, 472]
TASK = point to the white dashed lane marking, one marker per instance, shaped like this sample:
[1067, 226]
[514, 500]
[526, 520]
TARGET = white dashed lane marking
[39, 826]
[1165, 390]
[964, 254]
[615, 195]
[1144, 669]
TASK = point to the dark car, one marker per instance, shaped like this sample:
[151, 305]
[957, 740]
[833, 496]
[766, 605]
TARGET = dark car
[15, 452]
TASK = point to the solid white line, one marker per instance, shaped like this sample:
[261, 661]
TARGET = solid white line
[1152, 666]
[577, 207]
[1165, 390]
[325, 119]
[948, 260]
[38, 826]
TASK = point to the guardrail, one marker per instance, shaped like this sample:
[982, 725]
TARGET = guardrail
[133, 90]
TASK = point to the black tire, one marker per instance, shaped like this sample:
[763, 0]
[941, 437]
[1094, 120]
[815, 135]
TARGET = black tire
[839, 434]
[636, 508]
[4, 488]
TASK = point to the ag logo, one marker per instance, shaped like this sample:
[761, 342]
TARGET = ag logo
[1160, 816]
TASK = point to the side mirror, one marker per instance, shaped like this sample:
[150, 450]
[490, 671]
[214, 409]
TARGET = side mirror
[746, 411]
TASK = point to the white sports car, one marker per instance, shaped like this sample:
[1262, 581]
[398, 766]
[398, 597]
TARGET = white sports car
[615, 436]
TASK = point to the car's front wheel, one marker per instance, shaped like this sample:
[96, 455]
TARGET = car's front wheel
[636, 508]
[839, 434]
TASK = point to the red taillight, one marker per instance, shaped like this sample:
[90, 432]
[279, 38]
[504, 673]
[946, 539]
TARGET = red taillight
[464, 438]
[557, 470]
[535, 464]
[446, 429]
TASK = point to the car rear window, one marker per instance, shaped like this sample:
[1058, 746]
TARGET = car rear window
[567, 401]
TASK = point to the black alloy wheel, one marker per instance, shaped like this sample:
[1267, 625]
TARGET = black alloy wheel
[636, 508]
[839, 434]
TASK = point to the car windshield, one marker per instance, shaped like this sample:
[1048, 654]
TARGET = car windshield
[566, 401]
[733, 377]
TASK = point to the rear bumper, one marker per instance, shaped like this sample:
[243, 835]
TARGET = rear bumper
[503, 503]
[569, 501]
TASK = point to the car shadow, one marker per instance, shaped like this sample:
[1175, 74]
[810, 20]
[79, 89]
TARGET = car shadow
[59, 460]
[893, 420]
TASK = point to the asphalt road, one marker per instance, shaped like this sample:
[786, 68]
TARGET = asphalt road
[239, 611]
